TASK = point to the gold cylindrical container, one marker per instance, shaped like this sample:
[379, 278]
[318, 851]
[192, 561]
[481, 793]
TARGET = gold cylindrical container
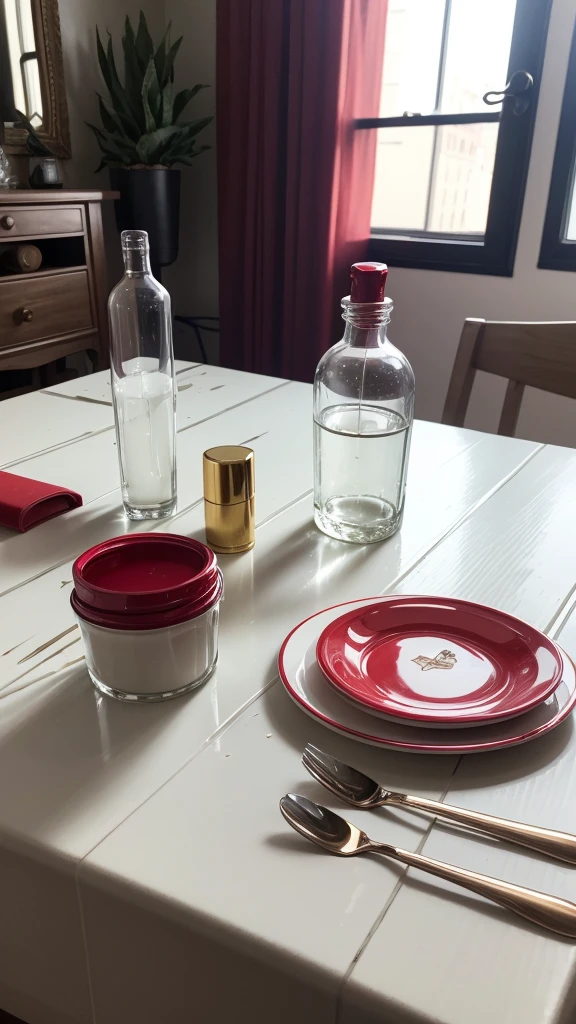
[229, 498]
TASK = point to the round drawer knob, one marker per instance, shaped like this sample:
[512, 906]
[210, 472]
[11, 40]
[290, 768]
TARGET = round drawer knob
[7, 222]
[25, 315]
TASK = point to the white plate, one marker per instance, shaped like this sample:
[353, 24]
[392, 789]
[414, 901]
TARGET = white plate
[307, 686]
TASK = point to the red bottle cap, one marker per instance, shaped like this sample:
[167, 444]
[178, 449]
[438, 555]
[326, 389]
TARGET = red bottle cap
[145, 581]
[368, 282]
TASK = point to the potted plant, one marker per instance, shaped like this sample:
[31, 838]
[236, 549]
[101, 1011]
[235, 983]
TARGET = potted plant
[142, 136]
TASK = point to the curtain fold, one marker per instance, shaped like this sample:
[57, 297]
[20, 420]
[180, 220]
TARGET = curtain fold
[294, 178]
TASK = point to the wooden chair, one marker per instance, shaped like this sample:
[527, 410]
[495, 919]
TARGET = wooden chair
[537, 355]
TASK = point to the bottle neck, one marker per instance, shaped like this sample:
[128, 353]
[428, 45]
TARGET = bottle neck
[136, 261]
[366, 323]
[365, 337]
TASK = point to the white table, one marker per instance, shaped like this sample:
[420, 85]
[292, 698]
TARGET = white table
[145, 872]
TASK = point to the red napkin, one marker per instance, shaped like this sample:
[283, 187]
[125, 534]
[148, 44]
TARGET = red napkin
[26, 503]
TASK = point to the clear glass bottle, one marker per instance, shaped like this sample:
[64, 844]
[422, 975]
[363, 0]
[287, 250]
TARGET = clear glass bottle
[363, 412]
[143, 384]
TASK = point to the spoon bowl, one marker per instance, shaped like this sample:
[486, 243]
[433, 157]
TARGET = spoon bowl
[335, 834]
[323, 826]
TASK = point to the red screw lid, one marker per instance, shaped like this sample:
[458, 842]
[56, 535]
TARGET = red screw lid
[145, 581]
[368, 282]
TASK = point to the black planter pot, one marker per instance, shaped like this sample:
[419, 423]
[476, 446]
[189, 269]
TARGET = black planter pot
[150, 201]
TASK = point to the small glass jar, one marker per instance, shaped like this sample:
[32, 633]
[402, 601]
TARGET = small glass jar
[147, 605]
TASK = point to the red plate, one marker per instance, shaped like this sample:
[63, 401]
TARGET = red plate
[309, 688]
[437, 661]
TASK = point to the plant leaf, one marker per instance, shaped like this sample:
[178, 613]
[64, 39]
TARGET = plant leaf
[183, 98]
[108, 120]
[160, 56]
[188, 158]
[152, 146]
[167, 104]
[117, 93]
[131, 57]
[144, 44]
[149, 82]
[133, 75]
[193, 127]
[103, 63]
[97, 131]
[170, 58]
[113, 143]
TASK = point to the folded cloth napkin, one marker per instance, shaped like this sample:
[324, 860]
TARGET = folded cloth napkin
[25, 503]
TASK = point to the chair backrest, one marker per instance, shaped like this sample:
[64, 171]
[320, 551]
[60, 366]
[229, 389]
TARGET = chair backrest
[538, 355]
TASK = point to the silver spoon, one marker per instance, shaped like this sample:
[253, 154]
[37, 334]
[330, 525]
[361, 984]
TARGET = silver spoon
[359, 790]
[337, 835]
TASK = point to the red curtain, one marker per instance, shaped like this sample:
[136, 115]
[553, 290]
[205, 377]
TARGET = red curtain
[294, 177]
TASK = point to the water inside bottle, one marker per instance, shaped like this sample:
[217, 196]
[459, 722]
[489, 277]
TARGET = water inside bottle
[361, 459]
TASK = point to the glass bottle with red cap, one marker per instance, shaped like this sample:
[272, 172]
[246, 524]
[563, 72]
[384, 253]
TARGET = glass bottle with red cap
[363, 412]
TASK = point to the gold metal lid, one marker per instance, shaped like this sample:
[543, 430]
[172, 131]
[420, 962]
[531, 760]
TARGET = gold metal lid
[228, 474]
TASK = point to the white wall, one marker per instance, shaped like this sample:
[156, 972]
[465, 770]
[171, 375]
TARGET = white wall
[431, 306]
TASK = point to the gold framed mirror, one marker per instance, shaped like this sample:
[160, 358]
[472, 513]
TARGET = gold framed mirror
[32, 75]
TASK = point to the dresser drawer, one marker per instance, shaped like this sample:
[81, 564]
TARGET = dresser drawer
[35, 221]
[33, 308]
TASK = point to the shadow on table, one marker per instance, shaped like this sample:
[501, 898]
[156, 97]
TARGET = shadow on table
[268, 580]
[74, 764]
[512, 763]
[74, 532]
[410, 772]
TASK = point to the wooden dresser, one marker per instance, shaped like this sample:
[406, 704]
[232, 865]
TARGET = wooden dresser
[60, 308]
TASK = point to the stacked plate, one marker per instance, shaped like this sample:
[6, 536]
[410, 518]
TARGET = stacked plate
[428, 674]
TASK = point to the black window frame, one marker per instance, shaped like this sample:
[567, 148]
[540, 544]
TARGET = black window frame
[494, 252]
[556, 252]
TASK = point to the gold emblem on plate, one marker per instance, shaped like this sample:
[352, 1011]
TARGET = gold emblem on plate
[446, 659]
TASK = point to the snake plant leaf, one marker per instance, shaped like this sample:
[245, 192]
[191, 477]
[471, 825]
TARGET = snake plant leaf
[147, 84]
[113, 146]
[140, 120]
[170, 58]
[103, 62]
[133, 74]
[144, 44]
[167, 105]
[182, 99]
[188, 158]
[193, 127]
[116, 90]
[108, 120]
[132, 65]
[160, 55]
[151, 147]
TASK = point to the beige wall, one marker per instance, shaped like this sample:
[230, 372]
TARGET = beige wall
[193, 279]
[429, 306]
[78, 20]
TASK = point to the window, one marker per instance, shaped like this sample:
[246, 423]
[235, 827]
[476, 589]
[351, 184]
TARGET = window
[558, 251]
[449, 184]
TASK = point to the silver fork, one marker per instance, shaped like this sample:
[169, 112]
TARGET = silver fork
[360, 790]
